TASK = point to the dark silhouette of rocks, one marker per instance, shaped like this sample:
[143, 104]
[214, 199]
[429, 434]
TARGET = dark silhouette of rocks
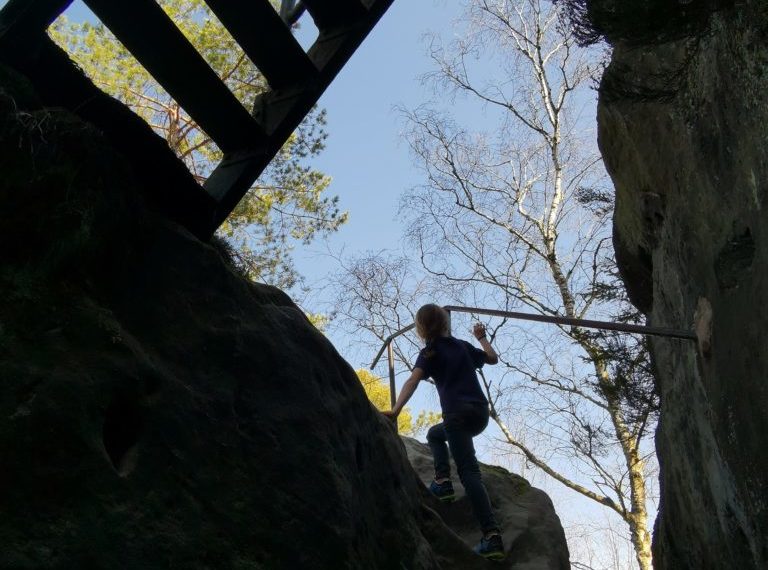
[159, 411]
[682, 122]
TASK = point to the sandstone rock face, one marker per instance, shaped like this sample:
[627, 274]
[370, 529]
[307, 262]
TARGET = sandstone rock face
[683, 130]
[533, 535]
[159, 411]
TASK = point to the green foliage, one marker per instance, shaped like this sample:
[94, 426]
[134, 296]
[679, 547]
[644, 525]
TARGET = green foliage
[319, 320]
[424, 421]
[287, 204]
[377, 391]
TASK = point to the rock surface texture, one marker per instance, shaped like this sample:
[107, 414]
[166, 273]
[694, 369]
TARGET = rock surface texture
[683, 126]
[159, 411]
[533, 535]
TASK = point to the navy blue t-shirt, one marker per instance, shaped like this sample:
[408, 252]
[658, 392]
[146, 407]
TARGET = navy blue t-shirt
[451, 363]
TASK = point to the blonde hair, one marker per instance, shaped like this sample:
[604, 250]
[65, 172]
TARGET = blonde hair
[432, 321]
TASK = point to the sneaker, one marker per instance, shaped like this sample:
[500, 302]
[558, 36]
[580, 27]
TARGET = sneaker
[443, 491]
[491, 548]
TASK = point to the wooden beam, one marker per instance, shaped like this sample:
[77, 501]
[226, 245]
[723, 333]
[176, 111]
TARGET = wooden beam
[21, 18]
[281, 113]
[329, 14]
[152, 37]
[164, 180]
[267, 41]
[237, 170]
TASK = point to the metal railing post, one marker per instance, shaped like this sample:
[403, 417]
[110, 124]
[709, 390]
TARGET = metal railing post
[391, 362]
[392, 389]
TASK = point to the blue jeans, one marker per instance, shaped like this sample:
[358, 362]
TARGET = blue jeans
[457, 430]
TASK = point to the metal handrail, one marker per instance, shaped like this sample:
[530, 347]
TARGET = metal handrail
[552, 319]
[585, 323]
[388, 340]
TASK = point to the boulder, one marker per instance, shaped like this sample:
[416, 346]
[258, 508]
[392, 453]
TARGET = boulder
[532, 533]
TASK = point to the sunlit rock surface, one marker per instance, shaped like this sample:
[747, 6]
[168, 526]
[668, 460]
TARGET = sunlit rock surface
[159, 411]
[683, 128]
[533, 535]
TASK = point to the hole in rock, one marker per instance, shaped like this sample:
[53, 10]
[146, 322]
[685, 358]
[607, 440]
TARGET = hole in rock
[122, 427]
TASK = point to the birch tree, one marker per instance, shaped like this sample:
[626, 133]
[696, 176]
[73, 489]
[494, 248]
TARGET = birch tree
[513, 214]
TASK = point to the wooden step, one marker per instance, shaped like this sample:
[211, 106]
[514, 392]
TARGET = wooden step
[152, 37]
[267, 41]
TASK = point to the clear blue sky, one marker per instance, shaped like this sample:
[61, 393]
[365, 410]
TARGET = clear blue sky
[365, 155]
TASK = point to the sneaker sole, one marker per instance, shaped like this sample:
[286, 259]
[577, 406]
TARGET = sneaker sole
[494, 556]
[447, 498]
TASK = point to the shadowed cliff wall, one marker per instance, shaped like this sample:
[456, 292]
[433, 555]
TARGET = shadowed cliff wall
[683, 127]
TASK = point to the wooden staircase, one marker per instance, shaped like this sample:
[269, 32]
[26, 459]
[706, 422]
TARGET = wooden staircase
[249, 138]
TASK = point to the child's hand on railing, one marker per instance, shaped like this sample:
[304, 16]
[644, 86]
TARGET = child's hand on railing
[479, 331]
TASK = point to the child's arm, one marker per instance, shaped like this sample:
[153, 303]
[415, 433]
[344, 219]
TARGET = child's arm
[405, 394]
[490, 355]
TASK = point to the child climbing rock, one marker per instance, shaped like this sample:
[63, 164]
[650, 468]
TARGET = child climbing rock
[451, 363]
